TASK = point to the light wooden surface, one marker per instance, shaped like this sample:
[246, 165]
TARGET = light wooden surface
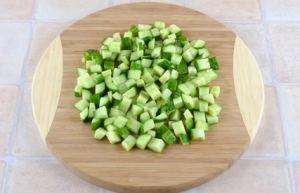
[178, 168]
[249, 87]
[46, 86]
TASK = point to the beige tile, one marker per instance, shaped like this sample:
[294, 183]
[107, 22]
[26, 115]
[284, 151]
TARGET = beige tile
[28, 141]
[251, 176]
[296, 166]
[228, 9]
[285, 45]
[43, 34]
[13, 44]
[269, 140]
[194, 190]
[282, 9]
[2, 170]
[46, 176]
[177, 2]
[67, 9]
[13, 9]
[255, 38]
[290, 101]
[8, 103]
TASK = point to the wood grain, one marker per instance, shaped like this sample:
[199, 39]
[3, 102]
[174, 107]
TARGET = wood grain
[46, 86]
[249, 87]
[178, 168]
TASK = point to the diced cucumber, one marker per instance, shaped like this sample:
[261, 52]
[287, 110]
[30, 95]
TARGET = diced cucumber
[160, 118]
[214, 109]
[123, 132]
[204, 52]
[197, 134]
[109, 121]
[168, 107]
[189, 123]
[187, 114]
[147, 126]
[209, 98]
[86, 94]
[203, 106]
[143, 140]
[111, 128]
[215, 91]
[156, 145]
[199, 116]
[178, 128]
[202, 125]
[133, 125]
[203, 90]
[125, 104]
[144, 117]
[166, 94]
[100, 133]
[188, 101]
[96, 123]
[81, 105]
[113, 137]
[86, 81]
[153, 91]
[152, 133]
[184, 89]
[148, 78]
[129, 142]
[214, 64]
[120, 121]
[165, 77]
[211, 119]
[136, 109]
[184, 139]
[175, 116]
[84, 114]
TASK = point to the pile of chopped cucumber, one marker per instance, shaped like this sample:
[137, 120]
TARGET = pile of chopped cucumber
[148, 88]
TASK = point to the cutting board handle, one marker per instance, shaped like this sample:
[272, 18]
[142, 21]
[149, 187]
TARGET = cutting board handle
[46, 86]
[249, 86]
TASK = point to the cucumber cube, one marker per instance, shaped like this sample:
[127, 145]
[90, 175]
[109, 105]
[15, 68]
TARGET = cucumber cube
[209, 98]
[147, 126]
[156, 145]
[215, 91]
[178, 128]
[100, 133]
[187, 114]
[123, 132]
[129, 142]
[133, 125]
[184, 139]
[143, 140]
[197, 134]
[199, 116]
[178, 103]
[169, 137]
[113, 137]
[202, 125]
[120, 121]
[211, 119]
[214, 109]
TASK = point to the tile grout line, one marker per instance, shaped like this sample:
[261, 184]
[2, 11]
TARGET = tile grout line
[284, 130]
[18, 106]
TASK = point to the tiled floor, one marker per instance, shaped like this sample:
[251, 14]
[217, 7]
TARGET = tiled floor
[270, 28]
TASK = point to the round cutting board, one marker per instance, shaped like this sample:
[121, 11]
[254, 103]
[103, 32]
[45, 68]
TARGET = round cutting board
[178, 167]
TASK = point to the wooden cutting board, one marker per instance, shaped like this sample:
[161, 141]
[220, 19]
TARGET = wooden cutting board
[178, 167]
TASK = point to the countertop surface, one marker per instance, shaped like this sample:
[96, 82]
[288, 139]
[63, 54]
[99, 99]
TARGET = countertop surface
[270, 28]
